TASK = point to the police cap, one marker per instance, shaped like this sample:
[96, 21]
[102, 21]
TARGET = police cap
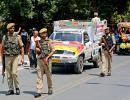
[43, 30]
[10, 25]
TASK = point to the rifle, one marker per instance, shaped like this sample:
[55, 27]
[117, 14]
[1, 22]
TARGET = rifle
[106, 46]
[3, 68]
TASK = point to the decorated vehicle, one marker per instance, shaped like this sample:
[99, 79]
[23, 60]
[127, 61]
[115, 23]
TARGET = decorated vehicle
[74, 44]
[123, 45]
[100, 29]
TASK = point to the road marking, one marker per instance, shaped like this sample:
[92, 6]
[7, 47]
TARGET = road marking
[70, 86]
[78, 82]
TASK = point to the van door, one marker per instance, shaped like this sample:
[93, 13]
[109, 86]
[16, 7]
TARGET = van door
[88, 50]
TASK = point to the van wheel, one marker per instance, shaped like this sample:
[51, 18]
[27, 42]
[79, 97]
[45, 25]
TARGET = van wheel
[78, 68]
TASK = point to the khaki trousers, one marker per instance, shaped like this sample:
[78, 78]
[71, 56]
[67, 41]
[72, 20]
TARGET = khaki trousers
[41, 69]
[11, 63]
[106, 62]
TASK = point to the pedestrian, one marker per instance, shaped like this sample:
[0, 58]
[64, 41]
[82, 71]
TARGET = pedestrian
[30, 34]
[11, 46]
[86, 37]
[45, 51]
[108, 44]
[96, 19]
[24, 36]
[32, 53]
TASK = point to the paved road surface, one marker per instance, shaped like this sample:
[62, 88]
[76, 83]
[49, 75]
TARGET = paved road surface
[85, 86]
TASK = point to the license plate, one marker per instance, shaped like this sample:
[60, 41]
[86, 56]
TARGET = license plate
[56, 60]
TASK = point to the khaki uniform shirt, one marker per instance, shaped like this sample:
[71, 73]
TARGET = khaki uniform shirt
[50, 47]
[10, 38]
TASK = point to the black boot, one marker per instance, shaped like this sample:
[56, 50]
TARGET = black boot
[37, 95]
[102, 74]
[50, 92]
[10, 92]
[17, 91]
[109, 74]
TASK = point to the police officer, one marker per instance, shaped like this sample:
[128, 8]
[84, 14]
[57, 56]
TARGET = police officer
[108, 44]
[44, 51]
[11, 46]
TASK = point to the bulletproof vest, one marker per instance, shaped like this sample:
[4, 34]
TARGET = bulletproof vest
[109, 41]
[45, 50]
[11, 46]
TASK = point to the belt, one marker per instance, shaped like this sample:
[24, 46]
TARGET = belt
[11, 55]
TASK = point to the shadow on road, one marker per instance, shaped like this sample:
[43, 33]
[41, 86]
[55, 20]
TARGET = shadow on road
[32, 92]
[93, 83]
[88, 67]
[65, 70]
[3, 92]
[125, 54]
[94, 74]
[68, 70]
[121, 85]
[29, 92]
[34, 72]
[62, 70]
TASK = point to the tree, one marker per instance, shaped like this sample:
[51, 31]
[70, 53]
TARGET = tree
[42, 12]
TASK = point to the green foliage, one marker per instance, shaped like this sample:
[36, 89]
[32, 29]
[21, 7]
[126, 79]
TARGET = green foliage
[42, 12]
[125, 16]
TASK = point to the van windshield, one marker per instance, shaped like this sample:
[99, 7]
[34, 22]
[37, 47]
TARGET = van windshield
[66, 37]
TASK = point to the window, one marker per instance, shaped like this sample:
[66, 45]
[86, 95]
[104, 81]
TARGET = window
[66, 37]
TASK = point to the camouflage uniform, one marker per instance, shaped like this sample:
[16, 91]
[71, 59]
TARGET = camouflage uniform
[42, 67]
[12, 46]
[106, 55]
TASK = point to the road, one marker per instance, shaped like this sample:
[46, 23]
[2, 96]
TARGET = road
[69, 86]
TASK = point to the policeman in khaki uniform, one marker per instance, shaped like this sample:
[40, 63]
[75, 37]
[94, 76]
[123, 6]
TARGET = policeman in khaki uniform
[11, 46]
[108, 44]
[44, 52]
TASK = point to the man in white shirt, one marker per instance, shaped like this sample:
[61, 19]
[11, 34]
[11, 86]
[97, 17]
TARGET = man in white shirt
[96, 19]
[32, 53]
